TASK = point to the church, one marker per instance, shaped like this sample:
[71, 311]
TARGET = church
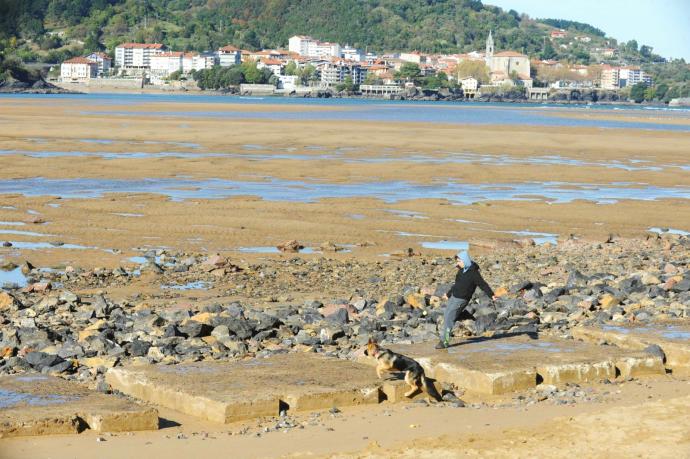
[502, 65]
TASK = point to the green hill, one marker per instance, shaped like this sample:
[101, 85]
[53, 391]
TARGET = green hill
[51, 30]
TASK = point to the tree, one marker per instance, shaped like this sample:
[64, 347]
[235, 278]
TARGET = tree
[307, 73]
[637, 92]
[475, 69]
[251, 73]
[409, 71]
[372, 79]
[347, 85]
[548, 52]
[291, 68]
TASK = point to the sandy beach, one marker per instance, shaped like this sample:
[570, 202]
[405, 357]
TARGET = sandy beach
[100, 184]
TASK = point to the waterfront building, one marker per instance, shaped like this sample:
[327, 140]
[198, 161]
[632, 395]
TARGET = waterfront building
[78, 69]
[630, 76]
[104, 62]
[162, 65]
[136, 55]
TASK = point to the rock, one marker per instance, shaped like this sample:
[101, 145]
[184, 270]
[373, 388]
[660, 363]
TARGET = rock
[7, 301]
[655, 350]
[290, 246]
[681, 286]
[239, 328]
[416, 300]
[96, 362]
[193, 329]
[649, 279]
[138, 348]
[608, 301]
[40, 360]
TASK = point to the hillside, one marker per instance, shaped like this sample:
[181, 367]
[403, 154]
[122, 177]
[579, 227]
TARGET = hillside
[52, 30]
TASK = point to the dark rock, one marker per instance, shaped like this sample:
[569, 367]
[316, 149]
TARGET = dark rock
[194, 329]
[241, 328]
[655, 350]
[40, 360]
[138, 348]
[484, 322]
[576, 279]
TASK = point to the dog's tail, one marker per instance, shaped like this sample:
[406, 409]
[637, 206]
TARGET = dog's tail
[430, 389]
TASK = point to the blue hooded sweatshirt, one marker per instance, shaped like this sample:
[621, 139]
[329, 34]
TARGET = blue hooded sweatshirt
[466, 260]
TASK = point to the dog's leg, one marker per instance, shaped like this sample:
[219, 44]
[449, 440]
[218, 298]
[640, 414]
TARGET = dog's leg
[412, 383]
[380, 368]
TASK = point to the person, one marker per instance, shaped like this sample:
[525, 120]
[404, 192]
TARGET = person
[467, 280]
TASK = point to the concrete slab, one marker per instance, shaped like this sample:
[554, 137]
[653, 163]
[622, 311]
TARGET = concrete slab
[672, 337]
[35, 404]
[512, 363]
[226, 392]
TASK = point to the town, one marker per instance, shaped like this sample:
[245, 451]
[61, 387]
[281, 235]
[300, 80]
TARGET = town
[309, 64]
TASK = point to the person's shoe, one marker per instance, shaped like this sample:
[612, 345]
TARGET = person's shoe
[442, 345]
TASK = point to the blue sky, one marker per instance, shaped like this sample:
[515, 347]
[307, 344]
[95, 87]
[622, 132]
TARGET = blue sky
[662, 24]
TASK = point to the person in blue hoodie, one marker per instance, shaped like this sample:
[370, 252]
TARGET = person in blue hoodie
[467, 280]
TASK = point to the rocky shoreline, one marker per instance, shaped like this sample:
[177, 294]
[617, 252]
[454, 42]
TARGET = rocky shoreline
[47, 327]
[38, 87]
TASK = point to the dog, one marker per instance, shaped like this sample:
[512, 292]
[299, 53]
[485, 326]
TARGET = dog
[388, 360]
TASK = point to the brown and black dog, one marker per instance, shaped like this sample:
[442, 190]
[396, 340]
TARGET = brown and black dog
[388, 360]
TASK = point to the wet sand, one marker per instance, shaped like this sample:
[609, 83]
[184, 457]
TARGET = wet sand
[323, 152]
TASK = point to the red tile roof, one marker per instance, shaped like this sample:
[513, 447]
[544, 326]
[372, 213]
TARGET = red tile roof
[228, 49]
[141, 45]
[80, 60]
[509, 54]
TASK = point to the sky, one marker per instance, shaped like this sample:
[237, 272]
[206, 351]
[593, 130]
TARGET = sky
[662, 24]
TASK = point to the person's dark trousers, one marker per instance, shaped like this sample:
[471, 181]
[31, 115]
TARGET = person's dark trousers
[454, 307]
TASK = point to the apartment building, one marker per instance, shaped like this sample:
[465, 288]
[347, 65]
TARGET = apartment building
[136, 55]
[305, 45]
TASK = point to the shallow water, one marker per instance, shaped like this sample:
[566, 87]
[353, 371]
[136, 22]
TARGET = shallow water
[446, 245]
[13, 278]
[301, 191]
[10, 398]
[657, 230]
[449, 158]
[23, 233]
[194, 285]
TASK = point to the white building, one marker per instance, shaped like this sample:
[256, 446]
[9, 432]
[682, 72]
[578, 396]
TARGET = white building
[610, 77]
[308, 46]
[352, 54]
[414, 57]
[630, 76]
[274, 65]
[162, 65]
[78, 69]
[228, 55]
[104, 62]
[469, 84]
[136, 55]
[203, 61]
[288, 82]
